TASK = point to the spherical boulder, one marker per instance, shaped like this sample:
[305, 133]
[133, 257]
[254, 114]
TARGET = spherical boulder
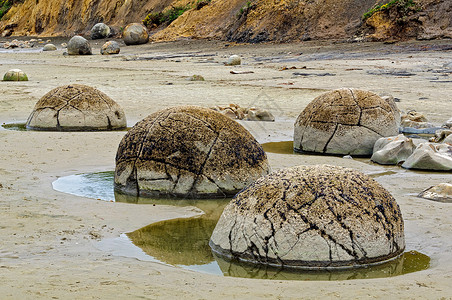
[110, 47]
[100, 31]
[135, 34]
[78, 45]
[188, 152]
[311, 217]
[76, 107]
[15, 75]
[345, 121]
[234, 60]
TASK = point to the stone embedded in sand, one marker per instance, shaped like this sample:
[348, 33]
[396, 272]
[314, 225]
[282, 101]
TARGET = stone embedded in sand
[110, 47]
[188, 151]
[441, 192]
[234, 111]
[100, 31]
[76, 107]
[311, 217]
[135, 34]
[234, 60]
[392, 150]
[344, 121]
[78, 45]
[15, 75]
[49, 47]
[430, 156]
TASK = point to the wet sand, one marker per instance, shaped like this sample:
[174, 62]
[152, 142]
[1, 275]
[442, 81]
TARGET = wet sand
[49, 239]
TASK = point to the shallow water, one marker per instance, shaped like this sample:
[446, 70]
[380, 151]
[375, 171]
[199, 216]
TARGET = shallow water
[15, 126]
[184, 242]
[22, 126]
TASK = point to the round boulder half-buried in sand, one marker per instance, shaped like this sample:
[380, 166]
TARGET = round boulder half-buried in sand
[76, 107]
[311, 217]
[345, 121]
[188, 152]
[15, 75]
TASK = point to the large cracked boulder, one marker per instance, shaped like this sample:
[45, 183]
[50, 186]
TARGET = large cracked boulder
[188, 152]
[345, 121]
[311, 217]
[76, 107]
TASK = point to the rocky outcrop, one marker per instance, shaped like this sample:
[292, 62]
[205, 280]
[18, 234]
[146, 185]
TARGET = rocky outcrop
[237, 20]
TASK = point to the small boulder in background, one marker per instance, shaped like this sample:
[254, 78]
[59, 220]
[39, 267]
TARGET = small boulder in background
[135, 34]
[100, 31]
[110, 47]
[234, 60]
[78, 45]
[15, 75]
[49, 47]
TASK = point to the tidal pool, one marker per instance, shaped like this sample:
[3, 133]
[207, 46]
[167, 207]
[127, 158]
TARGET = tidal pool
[185, 242]
[22, 126]
[15, 126]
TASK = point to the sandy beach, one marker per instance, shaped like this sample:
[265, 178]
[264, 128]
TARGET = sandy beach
[49, 247]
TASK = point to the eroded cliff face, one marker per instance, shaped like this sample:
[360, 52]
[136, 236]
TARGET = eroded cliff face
[69, 17]
[237, 20]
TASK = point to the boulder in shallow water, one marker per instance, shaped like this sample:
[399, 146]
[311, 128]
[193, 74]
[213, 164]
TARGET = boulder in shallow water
[311, 217]
[76, 107]
[430, 156]
[188, 152]
[345, 121]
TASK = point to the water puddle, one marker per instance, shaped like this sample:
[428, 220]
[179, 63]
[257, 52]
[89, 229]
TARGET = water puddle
[23, 127]
[184, 242]
[15, 126]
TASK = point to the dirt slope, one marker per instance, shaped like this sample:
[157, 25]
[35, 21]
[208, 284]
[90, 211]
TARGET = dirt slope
[237, 20]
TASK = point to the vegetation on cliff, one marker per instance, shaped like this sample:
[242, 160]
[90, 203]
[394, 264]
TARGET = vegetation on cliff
[402, 5]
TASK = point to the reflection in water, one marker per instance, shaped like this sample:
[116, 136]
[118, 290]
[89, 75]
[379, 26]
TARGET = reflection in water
[285, 147]
[184, 242]
[15, 126]
[411, 261]
[23, 127]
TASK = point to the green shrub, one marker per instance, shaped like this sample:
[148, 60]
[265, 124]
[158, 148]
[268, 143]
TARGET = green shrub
[403, 5]
[165, 17]
[5, 5]
[245, 9]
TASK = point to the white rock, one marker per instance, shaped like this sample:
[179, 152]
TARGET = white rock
[430, 156]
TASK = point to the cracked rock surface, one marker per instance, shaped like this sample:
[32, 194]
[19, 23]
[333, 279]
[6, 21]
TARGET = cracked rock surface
[188, 151]
[311, 217]
[76, 107]
[345, 121]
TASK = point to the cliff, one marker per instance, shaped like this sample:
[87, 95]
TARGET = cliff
[239, 20]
